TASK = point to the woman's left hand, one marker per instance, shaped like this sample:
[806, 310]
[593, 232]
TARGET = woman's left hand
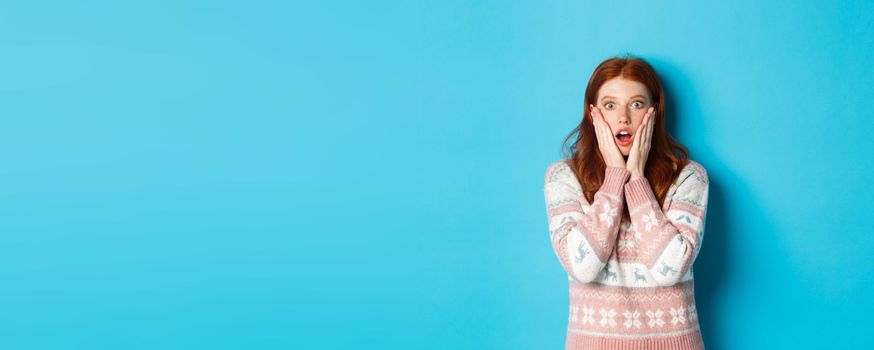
[641, 145]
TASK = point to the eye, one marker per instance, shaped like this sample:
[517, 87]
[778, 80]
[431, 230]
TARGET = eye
[608, 105]
[637, 104]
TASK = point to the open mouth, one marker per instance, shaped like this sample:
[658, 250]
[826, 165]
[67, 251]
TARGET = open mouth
[623, 138]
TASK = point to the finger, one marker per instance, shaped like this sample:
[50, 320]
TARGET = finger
[639, 145]
[596, 122]
[596, 114]
[651, 127]
[645, 127]
[637, 138]
[645, 124]
[605, 128]
[644, 137]
[640, 129]
[594, 117]
[649, 115]
[599, 119]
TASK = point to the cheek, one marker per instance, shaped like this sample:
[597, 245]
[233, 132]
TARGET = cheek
[640, 118]
[639, 122]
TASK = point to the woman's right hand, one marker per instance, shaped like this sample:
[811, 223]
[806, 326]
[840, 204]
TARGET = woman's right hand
[606, 141]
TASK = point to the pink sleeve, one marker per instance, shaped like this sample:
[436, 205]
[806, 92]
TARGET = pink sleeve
[670, 241]
[583, 234]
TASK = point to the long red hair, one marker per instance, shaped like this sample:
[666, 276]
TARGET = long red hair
[667, 156]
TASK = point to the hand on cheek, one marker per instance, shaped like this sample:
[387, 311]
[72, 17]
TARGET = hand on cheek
[641, 145]
[606, 144]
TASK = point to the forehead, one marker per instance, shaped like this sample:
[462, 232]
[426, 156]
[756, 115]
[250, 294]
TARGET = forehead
[622, 89]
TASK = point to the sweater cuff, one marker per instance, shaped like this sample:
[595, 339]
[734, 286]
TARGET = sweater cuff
[638, 192]
[614, 179]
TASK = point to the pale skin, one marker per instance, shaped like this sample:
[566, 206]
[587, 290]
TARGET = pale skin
[623, 103]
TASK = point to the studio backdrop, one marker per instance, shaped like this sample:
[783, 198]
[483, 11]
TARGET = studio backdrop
[337, 175]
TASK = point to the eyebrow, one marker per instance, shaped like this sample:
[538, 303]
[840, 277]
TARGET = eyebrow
[644, 97]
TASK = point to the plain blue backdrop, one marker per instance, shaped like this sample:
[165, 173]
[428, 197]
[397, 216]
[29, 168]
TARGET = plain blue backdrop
[273, 175]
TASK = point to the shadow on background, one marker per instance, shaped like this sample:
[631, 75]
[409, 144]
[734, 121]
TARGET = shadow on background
[711, 268]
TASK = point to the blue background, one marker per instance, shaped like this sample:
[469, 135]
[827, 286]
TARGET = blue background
[221, 175]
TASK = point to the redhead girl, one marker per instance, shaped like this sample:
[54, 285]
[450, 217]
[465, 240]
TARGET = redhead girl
[626, 211]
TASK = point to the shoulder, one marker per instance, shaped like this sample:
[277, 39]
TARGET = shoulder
[557, 169]
[697, 170]
[693, 174]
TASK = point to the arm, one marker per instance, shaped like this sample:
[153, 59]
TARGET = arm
[670, 241]
[583, 234]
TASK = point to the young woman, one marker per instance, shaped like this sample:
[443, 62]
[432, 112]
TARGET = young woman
[626, 212]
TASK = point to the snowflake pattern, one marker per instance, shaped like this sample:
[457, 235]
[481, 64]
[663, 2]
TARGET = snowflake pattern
[608, 214]
[650, 220]
[626, 245]
[633, 319]
[587, 315]
[607, 317]
[633, 228]
[628, 238]
[678, 315]
[655, 318]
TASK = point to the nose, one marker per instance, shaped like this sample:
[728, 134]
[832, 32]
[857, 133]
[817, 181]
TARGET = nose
[624, 117]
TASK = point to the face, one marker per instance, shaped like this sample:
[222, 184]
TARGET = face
[623, 103]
